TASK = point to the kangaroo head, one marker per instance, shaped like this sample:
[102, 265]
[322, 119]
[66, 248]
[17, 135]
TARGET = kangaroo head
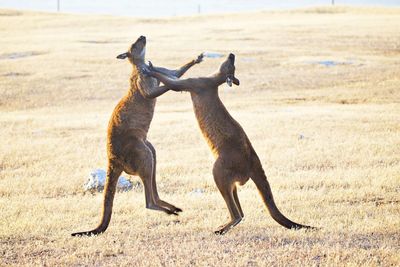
[136, 52]
[227, 70]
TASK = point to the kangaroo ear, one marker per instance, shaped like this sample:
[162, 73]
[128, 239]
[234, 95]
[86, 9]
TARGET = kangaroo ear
[123, 55]
[236, 81]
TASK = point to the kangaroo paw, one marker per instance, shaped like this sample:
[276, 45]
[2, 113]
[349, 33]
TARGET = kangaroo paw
[145, 71]
[151, 65]
[199, 59]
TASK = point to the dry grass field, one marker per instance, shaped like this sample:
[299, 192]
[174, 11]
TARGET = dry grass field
[319, 98]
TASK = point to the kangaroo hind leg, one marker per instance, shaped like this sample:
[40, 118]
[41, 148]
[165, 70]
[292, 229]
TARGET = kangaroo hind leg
[226, 185]
[157, 199]
[145, 163]
[236, 198]
[234, 211]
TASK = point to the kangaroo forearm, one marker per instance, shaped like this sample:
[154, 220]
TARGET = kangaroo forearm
[175, 85]
[176, 73]
[165, 71]
[179, 72]
[157, 91]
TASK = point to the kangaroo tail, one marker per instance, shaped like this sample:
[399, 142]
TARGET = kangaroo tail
[89, 233]
[106, 216]
[105, 220]
[260, 179]
[109, 193]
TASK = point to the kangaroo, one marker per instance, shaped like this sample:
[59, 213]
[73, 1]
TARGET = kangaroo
[127, 146]
[236, 159]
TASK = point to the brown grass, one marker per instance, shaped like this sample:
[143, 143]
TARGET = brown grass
[328, 138]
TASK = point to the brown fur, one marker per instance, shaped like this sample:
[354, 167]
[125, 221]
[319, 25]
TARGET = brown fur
[236, 160]
[127, 146]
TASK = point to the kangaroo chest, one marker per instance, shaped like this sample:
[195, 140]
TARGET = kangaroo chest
[213, 123]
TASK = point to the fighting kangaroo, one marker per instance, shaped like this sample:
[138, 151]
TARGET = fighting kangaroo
[236, 160]
[127, 146]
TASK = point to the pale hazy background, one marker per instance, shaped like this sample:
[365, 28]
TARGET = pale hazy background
[161, 8]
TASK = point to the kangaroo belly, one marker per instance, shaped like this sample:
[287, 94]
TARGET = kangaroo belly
[130, 120]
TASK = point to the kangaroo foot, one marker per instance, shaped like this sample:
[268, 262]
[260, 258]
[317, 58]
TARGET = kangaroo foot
[223, 229]
[160, 208]
[169, 206]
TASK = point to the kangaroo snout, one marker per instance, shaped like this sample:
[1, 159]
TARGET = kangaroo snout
[142, 38]
[232, 58]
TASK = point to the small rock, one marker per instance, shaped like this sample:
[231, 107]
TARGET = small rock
[96, 182]
[331, 63]
[212, 54]
[197, 192]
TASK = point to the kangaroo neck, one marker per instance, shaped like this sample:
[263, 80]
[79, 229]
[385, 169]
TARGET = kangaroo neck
[218, 78]
[206, 98]
[213, 119]
[138, 62]
[134, 95]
